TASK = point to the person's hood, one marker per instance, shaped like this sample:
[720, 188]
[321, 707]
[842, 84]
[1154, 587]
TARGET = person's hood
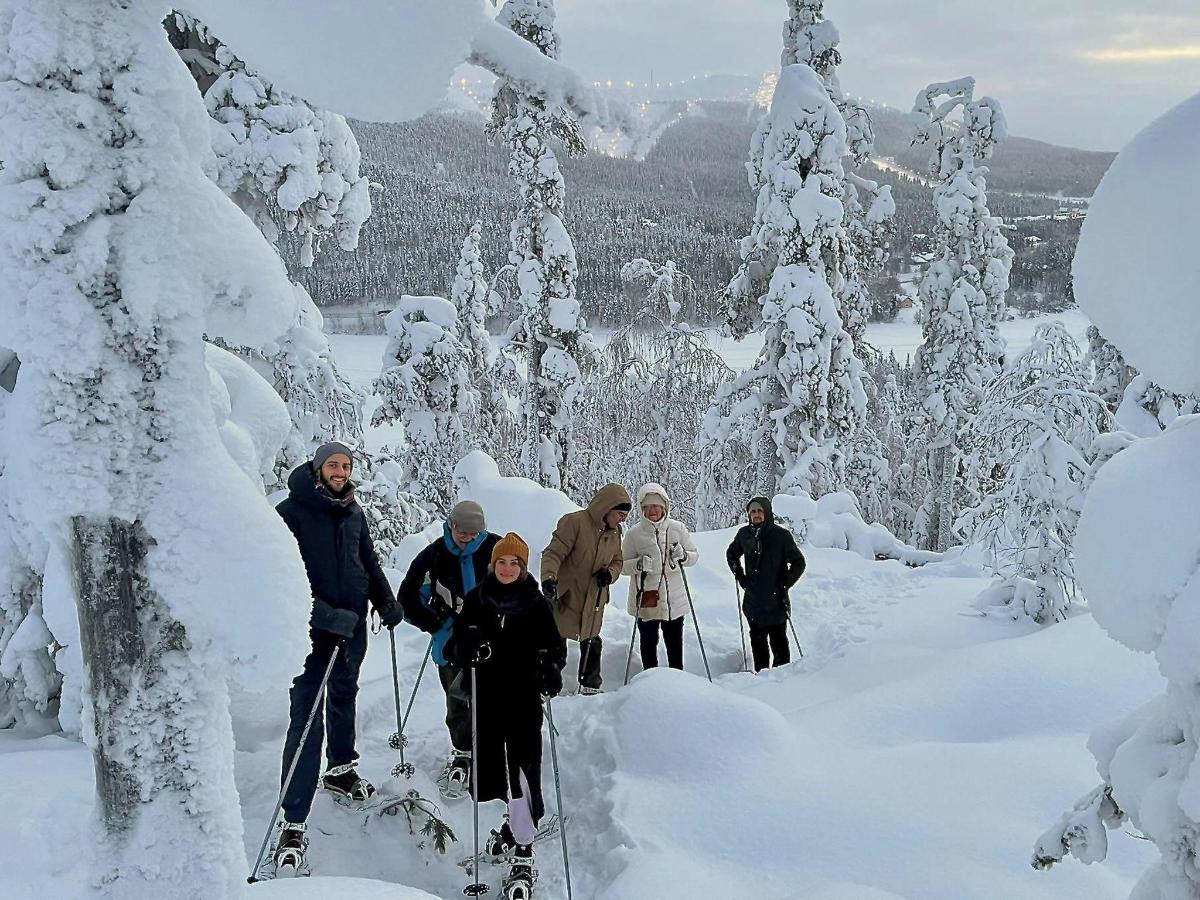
[448, 539]
[606, 500]
[653, 488]
[302, 485]
[766, 505]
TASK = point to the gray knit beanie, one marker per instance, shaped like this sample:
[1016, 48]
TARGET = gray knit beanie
[327, 450]
[468, 515]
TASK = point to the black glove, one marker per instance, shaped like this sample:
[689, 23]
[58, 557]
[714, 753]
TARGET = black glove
[469, 645]
[550, 590]
[550, 678]
[551, 681]
[603, 577]
[392, 614]
[740, 578]
[333, 619]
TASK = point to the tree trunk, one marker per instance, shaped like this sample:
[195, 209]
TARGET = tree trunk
[160, 733]
[946, 499]
[110, 593]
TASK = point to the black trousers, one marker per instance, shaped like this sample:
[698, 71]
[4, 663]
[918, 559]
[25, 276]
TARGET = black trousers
[458, 706]
[589, 662]
[672, 633]
[338, 719]
[774, 635]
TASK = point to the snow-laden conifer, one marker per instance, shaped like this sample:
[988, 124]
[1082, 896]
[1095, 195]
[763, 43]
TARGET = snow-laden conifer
[548, 330]
[962, 290]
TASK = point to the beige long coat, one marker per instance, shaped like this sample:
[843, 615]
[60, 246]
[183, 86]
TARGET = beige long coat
[581, 545]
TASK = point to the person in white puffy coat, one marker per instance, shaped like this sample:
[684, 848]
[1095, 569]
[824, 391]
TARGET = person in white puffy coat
[654, 551]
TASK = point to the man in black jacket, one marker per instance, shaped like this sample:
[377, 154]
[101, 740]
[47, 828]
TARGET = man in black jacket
[344, 573]
[432, 591]
[773, 563]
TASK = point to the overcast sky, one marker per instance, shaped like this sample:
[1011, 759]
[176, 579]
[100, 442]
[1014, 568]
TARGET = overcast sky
[1086, 73]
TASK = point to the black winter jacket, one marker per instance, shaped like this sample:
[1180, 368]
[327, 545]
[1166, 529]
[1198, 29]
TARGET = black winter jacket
[517, 623]
[343, 569]
[773, 563]
[442, 562]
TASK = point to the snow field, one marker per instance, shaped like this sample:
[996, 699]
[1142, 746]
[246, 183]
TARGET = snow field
[916, 751]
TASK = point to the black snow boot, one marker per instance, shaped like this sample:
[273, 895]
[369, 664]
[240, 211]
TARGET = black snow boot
[345, 786]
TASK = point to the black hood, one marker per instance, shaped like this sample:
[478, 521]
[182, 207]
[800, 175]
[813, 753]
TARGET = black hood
[769, 519]
[302, 485]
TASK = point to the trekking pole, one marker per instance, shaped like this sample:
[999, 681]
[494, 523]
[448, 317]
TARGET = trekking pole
[477, 888]
[287, 781]
[398, 741]
[562, 816]
[794, 637]
[695, 622]
[412, 697]
[741, 626]
[637, 608]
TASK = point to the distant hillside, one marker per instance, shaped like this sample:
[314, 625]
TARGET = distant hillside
[1020, 165]
[687, 201]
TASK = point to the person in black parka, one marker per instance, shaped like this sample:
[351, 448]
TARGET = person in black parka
[772, 564]
[507, 631]
[345, 576]
[438, 578]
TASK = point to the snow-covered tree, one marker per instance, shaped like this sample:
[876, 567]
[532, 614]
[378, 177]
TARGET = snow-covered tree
[868, 208]
[548, 331]
[805, 392]
[425, 386]
[1138, 542]
[119, 254]
[280, 159]
[469, 293]
[1026, 455]
[659, 375]
[962, 290]
[1111, 374]
[29, 681]
[1147, 408]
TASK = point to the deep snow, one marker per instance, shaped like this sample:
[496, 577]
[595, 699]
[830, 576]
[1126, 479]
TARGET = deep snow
[917, 750]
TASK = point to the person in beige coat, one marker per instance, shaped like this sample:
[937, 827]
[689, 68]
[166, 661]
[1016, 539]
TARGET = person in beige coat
[655, 550]
[582, 560]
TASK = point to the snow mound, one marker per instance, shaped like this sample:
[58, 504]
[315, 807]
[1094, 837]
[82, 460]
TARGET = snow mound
[512, 504]
[317, 888]
[834, 521]
[379, 60]
[1145, 593]
[1135, 267]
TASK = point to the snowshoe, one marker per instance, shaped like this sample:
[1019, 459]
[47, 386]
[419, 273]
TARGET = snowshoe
[590, 691]
[492, 854]
[455, 780]
[518, 884]
[291, 851]
[344, 785]
[499, 844]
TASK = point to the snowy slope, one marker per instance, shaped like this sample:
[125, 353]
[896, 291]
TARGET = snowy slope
[916, 751]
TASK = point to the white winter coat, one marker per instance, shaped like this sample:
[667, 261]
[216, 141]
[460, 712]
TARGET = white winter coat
[657, 540]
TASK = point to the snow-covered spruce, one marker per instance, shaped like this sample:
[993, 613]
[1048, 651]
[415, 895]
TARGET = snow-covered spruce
[1146, 592]
[1110, 373]
[493, 427]
[281, 160]
[1026, 455]
[425, 385]
[962, 290]
[867, 216]
[548, 331]
[805, 392]
[120, 254]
